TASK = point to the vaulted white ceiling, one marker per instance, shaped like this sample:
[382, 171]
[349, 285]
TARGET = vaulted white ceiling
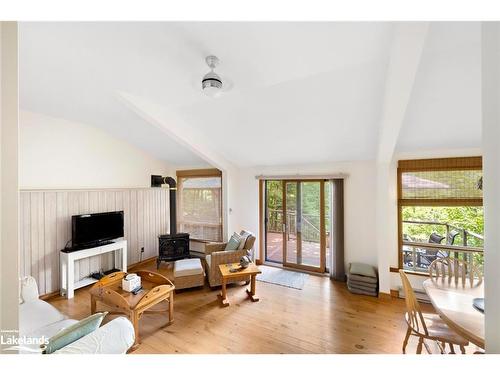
[445, 107]
[295, 92]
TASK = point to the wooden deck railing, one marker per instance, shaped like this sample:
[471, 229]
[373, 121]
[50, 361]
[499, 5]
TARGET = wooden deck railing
[464, 233]
[417, 255]
[309, 225]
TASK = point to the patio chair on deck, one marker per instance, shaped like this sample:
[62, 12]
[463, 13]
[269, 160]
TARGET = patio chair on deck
[429, 255]
[407, 251]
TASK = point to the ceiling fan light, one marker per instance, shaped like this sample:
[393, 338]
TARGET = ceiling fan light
[212, 92]
[211, 82]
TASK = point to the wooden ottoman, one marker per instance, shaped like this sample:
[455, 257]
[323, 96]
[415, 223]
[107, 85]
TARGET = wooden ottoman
[188, 273]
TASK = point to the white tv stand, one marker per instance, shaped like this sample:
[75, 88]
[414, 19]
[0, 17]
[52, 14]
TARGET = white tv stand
[68, 283]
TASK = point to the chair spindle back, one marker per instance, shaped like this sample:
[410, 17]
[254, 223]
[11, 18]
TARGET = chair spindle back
[414, 315]
[455, 271]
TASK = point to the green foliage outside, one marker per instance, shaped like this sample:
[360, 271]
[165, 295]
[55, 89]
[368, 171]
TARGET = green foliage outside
[310, 205]
[469, 218]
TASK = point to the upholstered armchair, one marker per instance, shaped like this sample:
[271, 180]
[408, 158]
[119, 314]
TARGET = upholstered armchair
[215, 255]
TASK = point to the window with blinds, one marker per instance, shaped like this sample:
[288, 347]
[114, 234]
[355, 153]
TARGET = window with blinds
[199, 200]
[440, 211]
[440, 181]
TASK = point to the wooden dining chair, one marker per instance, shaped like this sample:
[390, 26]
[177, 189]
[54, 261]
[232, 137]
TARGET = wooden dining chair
[455, 271]
[427, 326]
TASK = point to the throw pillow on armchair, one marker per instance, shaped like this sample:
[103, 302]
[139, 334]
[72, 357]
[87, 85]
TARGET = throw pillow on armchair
[233, 243]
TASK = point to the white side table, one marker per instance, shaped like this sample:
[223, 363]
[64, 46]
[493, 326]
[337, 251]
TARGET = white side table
[68, 283]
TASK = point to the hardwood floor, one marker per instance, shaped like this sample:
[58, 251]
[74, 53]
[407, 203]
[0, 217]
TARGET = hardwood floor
[322, 318]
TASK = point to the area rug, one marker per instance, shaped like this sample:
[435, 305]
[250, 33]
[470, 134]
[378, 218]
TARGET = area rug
[279, 276]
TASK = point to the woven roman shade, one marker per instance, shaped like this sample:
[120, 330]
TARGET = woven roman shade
[442, 182]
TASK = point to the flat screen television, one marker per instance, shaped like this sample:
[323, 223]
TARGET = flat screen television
[94, 229]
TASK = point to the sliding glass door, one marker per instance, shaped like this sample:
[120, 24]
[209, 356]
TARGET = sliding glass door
[295, 223]
[274, 221]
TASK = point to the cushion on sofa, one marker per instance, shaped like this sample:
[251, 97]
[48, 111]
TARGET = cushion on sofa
[115, 337]
[74, 332]
[187, 267]
[47, 332]
[36, 314]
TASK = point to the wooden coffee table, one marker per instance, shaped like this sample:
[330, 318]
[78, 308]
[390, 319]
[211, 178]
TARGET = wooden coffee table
[252, 270]
[156, 288]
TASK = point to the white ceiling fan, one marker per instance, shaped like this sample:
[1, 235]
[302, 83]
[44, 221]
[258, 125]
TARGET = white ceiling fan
[212, 83]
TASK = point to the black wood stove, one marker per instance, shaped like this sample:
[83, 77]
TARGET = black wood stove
[172, 246]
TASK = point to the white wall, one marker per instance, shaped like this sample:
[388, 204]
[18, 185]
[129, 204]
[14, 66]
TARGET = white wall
[491, 162]
[386, 222]
[359, 203]
[60, 154]
[9, 198]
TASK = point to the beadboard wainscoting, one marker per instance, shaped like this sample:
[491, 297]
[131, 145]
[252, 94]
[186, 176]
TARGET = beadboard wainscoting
[45, 228]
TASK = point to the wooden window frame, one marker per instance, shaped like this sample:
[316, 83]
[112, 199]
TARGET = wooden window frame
[202, 173]
[426, 165]
[210, 172]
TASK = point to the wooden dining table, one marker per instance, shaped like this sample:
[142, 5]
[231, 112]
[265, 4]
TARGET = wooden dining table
[454, 305]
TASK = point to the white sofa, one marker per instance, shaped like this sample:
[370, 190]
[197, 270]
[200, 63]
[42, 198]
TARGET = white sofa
[38, 319]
